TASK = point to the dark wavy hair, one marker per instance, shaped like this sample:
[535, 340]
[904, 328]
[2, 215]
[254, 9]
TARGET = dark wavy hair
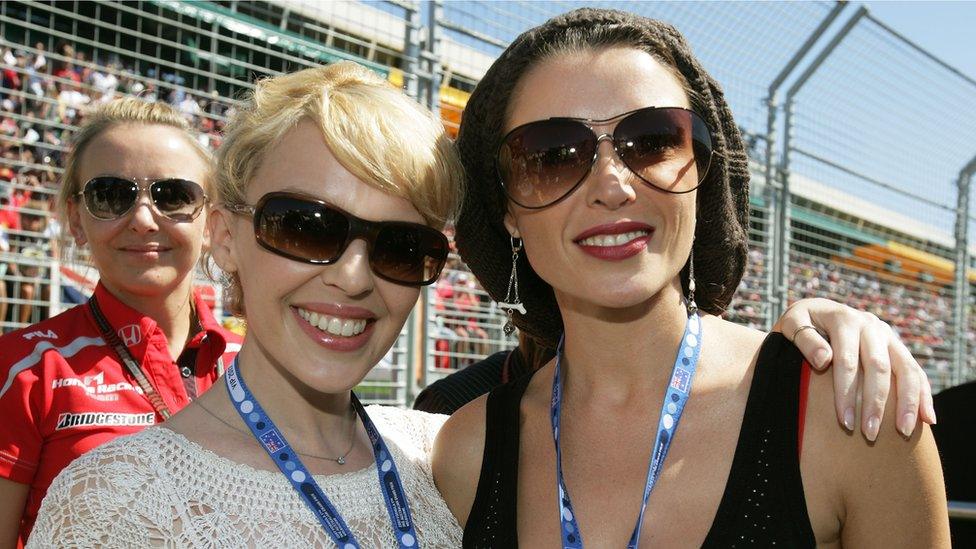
[720, 246]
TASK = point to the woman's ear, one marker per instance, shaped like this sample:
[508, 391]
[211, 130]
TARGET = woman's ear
[511, 224]
[74, 223]
[221, 239]
[206, 214]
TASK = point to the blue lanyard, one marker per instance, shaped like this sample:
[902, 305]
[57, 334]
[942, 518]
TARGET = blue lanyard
[679, 389]
[273, 441]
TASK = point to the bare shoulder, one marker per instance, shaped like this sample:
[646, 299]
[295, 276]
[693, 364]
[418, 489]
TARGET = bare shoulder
[730, 331]
[730, 345]
[456, 459]
[883, 493]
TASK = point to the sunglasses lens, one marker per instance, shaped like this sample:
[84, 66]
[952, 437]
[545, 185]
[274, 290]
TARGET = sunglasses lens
[669, 148]
[178, 199]
[409, 254]
[301, 229]
[544, 161]
[109, 197]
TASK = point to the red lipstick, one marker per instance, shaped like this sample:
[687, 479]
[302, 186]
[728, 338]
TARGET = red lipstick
[617, 252]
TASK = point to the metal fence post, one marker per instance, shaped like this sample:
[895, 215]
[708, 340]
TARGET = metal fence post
[54, 289]
[434, 37]
[775, 306]
[961, 309]
[781, 261]
[411, 49]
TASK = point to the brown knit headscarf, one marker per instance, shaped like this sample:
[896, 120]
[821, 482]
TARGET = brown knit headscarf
[723, 198]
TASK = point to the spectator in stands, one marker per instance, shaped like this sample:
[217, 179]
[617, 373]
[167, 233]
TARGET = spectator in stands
[9, 210]
[9, 77]
[36, 69]
[70, 101]
[33, 246]
[65, 68]
[81, 67]
[623, 242]
[190, 108]
[39, 63]
[145, 345]
[105, 82]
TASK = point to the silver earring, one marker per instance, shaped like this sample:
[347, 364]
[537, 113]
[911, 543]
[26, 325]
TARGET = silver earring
[512, 301]
[690, 300]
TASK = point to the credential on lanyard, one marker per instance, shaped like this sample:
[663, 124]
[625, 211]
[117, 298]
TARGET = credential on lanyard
[286, 459]
[675, 398]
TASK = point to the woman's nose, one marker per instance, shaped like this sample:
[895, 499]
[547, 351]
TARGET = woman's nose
[610, 182]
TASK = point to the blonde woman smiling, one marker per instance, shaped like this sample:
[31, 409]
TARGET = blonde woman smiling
[332, 188]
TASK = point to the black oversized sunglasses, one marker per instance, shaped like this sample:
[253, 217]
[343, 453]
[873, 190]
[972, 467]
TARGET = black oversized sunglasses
[542, 162]
[109, 197]
[311, 231]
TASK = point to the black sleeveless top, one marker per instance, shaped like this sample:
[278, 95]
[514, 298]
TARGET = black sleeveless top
[763, 503]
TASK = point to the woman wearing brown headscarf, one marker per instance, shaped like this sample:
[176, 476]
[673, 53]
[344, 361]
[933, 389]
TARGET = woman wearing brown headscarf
[623, 206]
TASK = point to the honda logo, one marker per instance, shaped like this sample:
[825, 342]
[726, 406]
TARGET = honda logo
[131, 334]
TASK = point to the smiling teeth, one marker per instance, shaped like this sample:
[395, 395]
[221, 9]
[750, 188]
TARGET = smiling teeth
[333, 325]
[612, 239]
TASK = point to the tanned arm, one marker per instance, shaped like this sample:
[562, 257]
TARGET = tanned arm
[889, 493]
[13, 497]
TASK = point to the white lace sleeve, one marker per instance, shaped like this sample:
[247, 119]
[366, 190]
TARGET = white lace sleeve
[104, 499]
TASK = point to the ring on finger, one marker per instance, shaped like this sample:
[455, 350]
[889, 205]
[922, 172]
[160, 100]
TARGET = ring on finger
[807, 327]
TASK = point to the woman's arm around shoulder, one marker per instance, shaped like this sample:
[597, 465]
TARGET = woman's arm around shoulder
[456, 459]
[886, 493]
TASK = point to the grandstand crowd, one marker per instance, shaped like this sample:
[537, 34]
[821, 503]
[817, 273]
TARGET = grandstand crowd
[44, 95]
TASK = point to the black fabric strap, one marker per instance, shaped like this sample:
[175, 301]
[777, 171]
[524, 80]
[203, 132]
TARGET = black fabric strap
[493, 517]
[187, 363]
[128, 360]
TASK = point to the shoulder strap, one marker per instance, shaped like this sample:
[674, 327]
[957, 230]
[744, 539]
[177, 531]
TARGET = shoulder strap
[765, 474]
[801, 418]
[127, 359]
[492, 521]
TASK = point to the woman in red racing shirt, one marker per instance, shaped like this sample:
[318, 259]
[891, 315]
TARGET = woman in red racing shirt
[134, 192]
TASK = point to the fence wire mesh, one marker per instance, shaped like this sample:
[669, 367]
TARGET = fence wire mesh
[62, 58]
[876, 140]
[744, 45]
[879, 134]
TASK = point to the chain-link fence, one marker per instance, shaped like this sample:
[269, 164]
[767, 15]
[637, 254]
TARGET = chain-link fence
[861, 144]
[861, 135]
[877, 131]
[60, 59]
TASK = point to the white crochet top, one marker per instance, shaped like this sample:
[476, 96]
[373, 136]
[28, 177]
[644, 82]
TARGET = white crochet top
[156, 488]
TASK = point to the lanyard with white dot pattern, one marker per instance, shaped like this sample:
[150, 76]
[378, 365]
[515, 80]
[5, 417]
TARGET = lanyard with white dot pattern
[679, 389]
[281, 453]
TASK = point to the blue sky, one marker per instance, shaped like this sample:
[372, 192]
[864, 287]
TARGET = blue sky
[876, 106]
[947, 29]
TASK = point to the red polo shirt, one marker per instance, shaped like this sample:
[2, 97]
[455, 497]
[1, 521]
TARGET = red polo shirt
[64, 391]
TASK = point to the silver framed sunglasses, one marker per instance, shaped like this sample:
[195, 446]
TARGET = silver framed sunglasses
[109, 197]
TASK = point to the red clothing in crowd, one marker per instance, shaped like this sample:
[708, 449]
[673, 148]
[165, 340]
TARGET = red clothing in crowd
[64, 391]
[10, 212]
[68, 73]
[9, 218]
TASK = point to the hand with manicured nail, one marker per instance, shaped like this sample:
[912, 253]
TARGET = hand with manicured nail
[859, 345]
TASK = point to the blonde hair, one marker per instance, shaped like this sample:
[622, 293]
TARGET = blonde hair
[126, 110]
[377, 133]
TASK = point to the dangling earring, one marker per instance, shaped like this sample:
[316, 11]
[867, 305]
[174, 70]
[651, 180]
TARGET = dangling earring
[690, 300]
[512, 301]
